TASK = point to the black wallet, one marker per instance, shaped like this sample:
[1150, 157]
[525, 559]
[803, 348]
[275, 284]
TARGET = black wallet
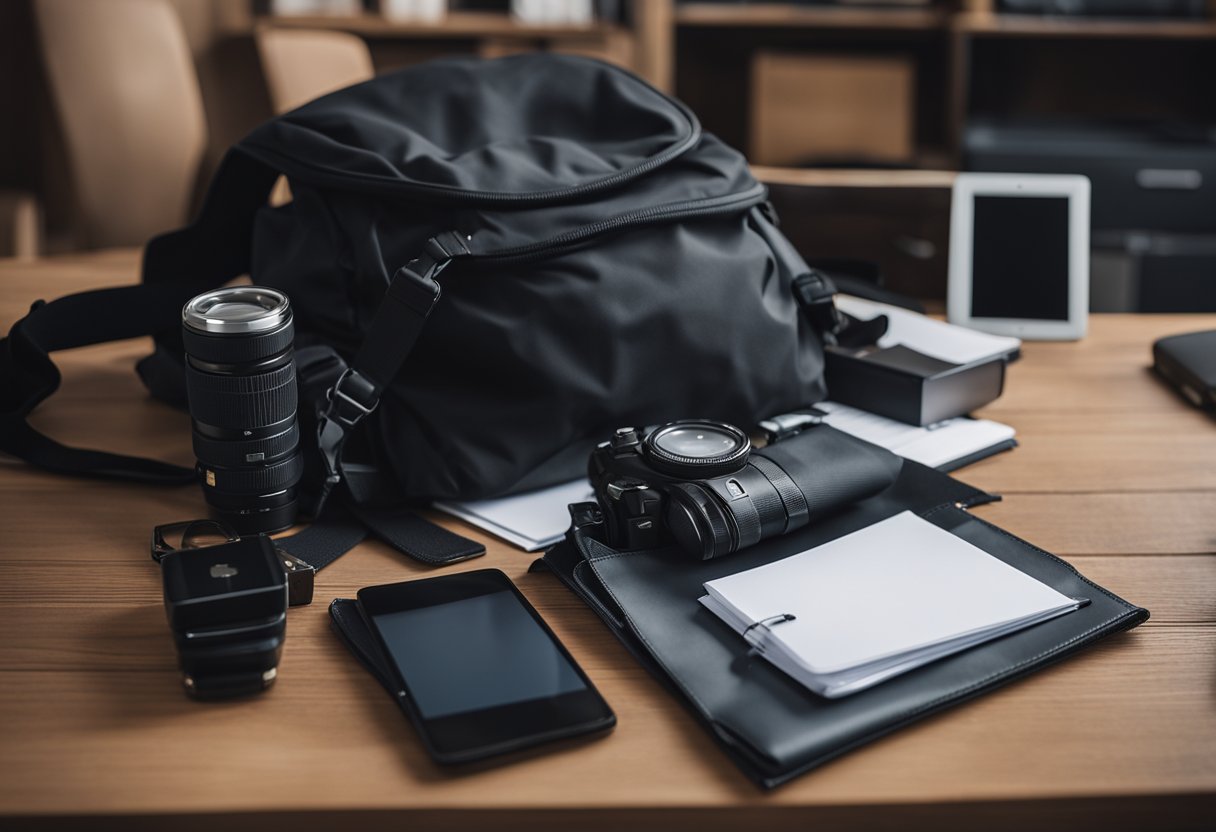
[1188, 364]
[772, 727]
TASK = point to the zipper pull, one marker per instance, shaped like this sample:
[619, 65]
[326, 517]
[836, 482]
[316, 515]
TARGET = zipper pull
[770, 213]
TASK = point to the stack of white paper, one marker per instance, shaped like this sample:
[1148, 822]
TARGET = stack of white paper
[879, 602]
[939, 445]
[531, 521]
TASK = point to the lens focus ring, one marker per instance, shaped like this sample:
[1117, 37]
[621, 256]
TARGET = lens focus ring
[231, 453]
[242, 402]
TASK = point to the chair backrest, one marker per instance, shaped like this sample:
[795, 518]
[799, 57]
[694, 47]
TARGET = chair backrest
[128, 99]
[301, 65]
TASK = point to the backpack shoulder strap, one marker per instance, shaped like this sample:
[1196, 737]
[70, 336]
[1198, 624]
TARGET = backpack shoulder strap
[177, 266]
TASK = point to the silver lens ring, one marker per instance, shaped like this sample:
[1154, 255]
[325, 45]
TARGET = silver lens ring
[697, 448]
[237, 310]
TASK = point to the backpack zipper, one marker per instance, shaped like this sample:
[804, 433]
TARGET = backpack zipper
[672, 212]
[323, 175]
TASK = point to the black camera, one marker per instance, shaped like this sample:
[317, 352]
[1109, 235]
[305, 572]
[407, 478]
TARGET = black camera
[702, 483]
[241, 381]
[226, 599]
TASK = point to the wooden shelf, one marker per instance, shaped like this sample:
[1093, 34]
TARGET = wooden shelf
[786, 15]
[454, 26]
[854, 178]
[985, 24]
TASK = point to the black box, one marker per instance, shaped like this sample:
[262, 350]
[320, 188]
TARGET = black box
[901, 383]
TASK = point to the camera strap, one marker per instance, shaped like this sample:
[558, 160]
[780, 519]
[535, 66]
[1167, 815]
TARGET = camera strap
[29, 376]
[399, 320]
[213, 249]
[342, 528]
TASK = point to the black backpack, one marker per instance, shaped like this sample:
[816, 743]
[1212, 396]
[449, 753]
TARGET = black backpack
[605, 263]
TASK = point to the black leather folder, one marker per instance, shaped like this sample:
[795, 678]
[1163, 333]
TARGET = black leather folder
[772, 727]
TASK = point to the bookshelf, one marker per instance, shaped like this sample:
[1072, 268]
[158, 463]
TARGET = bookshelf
[455, 25]
[758, 15]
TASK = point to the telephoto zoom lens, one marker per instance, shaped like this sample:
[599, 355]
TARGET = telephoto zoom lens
[241, 381]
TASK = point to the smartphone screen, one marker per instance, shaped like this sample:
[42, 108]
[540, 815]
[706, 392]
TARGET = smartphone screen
[1020, 263]
[480, 671]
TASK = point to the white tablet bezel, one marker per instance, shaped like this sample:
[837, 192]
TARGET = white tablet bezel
[958, 291]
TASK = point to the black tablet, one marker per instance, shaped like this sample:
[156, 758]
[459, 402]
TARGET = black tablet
[479, 672]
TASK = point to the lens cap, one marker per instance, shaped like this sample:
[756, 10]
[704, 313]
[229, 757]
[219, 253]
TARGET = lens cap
[697, 449]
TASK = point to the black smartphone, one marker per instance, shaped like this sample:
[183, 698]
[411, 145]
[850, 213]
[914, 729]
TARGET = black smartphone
[476, 667]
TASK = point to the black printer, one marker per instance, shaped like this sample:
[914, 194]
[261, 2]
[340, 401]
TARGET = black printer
[1152, 209]
[1147, 176]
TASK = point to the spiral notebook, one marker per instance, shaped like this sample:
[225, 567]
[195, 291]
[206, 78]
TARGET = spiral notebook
[879, 602]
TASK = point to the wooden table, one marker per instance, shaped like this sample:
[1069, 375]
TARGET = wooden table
[1114, 473]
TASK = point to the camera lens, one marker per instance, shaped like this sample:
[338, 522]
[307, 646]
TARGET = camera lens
[241, 382]
[697, 449]
[717, 516]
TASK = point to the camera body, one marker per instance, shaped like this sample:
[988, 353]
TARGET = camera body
[702, 483]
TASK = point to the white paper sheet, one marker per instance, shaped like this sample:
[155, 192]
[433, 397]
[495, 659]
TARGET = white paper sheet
[531, 521]
[934, 445]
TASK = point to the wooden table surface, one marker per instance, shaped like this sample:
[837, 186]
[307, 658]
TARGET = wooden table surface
[1114, 473]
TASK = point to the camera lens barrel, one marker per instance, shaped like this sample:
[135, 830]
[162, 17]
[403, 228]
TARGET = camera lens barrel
[716, 517]
[241, 383]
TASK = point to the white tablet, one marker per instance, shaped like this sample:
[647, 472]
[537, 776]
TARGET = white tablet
[1019, 255]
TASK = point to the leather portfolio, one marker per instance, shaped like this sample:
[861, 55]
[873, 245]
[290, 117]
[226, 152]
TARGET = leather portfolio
[768, 724]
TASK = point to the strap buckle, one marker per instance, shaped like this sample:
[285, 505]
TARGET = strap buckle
[815, 292]
[351, 399]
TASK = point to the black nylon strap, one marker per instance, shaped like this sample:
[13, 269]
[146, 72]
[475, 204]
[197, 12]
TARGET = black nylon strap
[814, 292]
[395, 328]
[338, 531]
[418, 537]
[403, 312]
[218, 245]
[28, 376]
[177, 266]
[326, 539]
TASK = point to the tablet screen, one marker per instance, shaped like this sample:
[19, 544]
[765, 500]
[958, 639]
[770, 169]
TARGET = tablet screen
[1019, 260]
[475, 653]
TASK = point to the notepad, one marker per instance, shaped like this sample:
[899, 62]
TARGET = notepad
[879, 602]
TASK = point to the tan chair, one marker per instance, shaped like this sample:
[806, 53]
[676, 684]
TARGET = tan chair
[20, 225]
[301, 65]
[128, 99]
